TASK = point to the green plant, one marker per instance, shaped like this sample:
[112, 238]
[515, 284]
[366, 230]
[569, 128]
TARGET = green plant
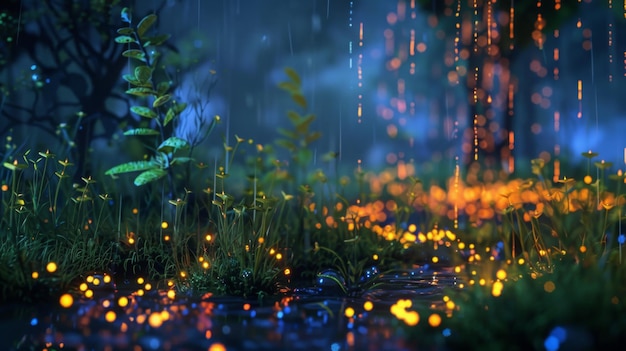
[162, 110]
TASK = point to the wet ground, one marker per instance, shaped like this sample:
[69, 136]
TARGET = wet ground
[313, 318]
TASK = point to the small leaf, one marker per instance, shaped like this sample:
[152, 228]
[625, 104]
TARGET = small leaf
[303, 126]
[294, 117]
[312, 137]
[299, 99]
[289, 86]
[172, 144]
[142, 131]
[125, 31]
[161, 100]
[181, 160]
[287, 133]
[143, 111]
[149, 176]
[125, 39]
[156, 40]
[130, 167]
[145, 24]
[169, 116]
[143, 73]
[136, 54]
[126, 16]
[163, 87]
[293, 75]
[173, 112]
[131, 79]
[286, 144]
[140, 91]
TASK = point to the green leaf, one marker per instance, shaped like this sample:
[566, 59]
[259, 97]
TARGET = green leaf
[156, 40]
[161, 100]
[173, 112]
[287, 133]
[289, 86]
[293, 75]
[303, 125]
[143, 73]
[286, 144]
[299, 99]
[149, 176]
[141, 91]
[14, 166]
[163, 87]
[312, 137]
[125, 39]
[172, 144]
[181, 160]
[131, 79]
[126, 16]
[145, 24]
[130, 167]
[294, 117]
[125, 31]
[143, 111]
[136, 54]
[142, 131]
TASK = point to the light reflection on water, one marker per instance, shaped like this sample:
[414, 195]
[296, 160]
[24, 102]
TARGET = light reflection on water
[305, 320]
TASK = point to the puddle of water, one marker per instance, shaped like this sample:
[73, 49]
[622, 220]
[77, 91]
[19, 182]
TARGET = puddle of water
[308, 319]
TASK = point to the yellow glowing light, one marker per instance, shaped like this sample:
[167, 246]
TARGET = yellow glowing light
[279, 256]
[496, 288]
[148, 286]
[35, 275]
[66, 301]
[520, 261]
[110, 316]
[435, 259]
[549, 286]
[287, 271]
[501, 274]
[51, 267]
[155, 320]
[208, 237]
[89, 279]
[83, 287]
[217, 347]
[171, 294]
[131, 241]
[106, 303]
[375, 257]
[349, 312]
[106, 279]
[140, 292]
[368, 305]
[89, 293]
[164, 225]
[183, 274]
[582, 248]
[140, 280]
[450, 305]
[122, 301]
[587, 179]
[96, 281]
[135, 211]
[206, 265]
[5, 187]
[434, 320]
